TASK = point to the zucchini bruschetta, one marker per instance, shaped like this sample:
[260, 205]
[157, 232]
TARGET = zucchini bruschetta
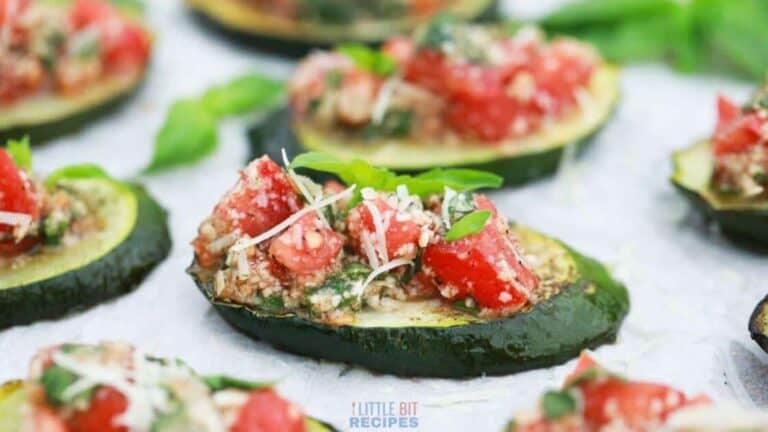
[454, 95]
[306, 23]
[112, 387]
[409, 275]
[726, 177]
[64, 62]
[71, 240]
[595, 400]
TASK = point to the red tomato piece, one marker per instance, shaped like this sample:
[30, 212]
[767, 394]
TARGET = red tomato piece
[11, 9]
[308, 246]
[485, 266]
[739, 135]
[399, 48]
[727, 112]
[639, 405]
[106, 405]
[585, 363]
[266, 411]
[16, 192]
[262, 198]
[562, 68]
[400, 230]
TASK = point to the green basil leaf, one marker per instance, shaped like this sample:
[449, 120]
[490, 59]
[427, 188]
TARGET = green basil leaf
[590, 12]
[470, 224]
[188, 135]
[557, 404]
[223, 382]
[20, 152]
[363, 174]
[369, 59]
[243, 95]
[56, 380]
[83, 171]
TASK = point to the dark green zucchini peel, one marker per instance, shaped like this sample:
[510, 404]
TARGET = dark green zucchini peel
[430, 338]
[56, 280]
[739, 218]
[758, 324]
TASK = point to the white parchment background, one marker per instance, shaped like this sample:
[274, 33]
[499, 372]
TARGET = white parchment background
[691, 290]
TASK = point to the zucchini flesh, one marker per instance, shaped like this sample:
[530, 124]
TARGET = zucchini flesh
[12, 398]
[427, 339]
[739, 218]
[236, 16]
[517, 160]
[105, 264]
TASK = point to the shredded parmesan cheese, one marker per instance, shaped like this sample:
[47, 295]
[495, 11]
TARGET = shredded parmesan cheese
[449, 195]
[383, 99]
[299, 182]
[381, 233]
[247, 242]
[359, 289]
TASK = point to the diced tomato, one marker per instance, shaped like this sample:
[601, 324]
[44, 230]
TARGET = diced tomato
[400, 230]
[585, 363]
[308, 246]
[262, 198]
[492, 119]
[639, 405]
[425, 7]
[736, 131]
[485, 266]
[562, 69]
[727, 112]
[125, 44]
[16, 192]
[11, 9]
[266, 411]
[106, 405]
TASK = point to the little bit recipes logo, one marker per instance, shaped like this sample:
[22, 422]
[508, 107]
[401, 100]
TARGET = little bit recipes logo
[384, 415]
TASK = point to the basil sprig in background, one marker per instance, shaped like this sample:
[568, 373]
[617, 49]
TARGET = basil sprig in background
[728, 36]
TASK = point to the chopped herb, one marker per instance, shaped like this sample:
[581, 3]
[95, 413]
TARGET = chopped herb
[223, 382]
[272, 304]
[20, 152]
[396, 124]
[334, 78]
[557, 404]
[470, 224]
[459, 206]
[83, 171]
[369, 59]
[342, 284]
[56, 380]
[438, 32]
[466, 305]
[761, 178]
[54, 228]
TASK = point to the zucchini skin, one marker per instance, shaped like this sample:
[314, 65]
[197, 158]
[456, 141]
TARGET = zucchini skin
[301, 46]
[746, 226]
[43, 132]
[757, 329]
[118, 272]
[274, 132]
[586, 314]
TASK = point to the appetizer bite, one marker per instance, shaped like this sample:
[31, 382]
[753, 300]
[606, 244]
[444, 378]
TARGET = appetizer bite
[726, 177]
[758, 324]
[114, 388]
[594, 399]
[453, 95]
[63, 62]
[409, 275]
[302, 23]
[71, 240]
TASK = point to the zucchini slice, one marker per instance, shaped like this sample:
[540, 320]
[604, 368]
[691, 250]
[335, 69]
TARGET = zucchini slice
[289, 35]
[12, 399]
[49, 116]
[517, 160]
[739, 218]
[758, 324]
[428, 338]
[134, 238]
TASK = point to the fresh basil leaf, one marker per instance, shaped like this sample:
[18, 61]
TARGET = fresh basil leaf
[363, 174]
[590, 12]
[470, 224]
[243, 95]
[83, 171]
[557, 404]
[20, 152]
[56, 380]
[188, 135]
[223, 382]
[369, 59]
[463, 179]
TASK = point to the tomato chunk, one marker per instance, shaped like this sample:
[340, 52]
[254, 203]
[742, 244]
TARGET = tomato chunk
[106, 405]
[262, 198]
[486, 266]
[401, 232]
[16, 191]
[266, 411]
[125, 44]
[736, 131]
[308, 246]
